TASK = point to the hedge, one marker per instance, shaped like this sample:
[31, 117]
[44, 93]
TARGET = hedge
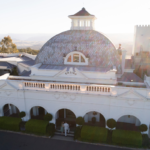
[128, 138]
[50, 129]
[36, 126]
[94, 134]
[77, 132]
[145, 140]
[10, 123]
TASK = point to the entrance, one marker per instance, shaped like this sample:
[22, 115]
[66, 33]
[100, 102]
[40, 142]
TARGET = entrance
[65, 115]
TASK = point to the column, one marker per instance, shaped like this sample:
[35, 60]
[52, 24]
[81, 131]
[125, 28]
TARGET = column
[91, 24]
[98, 117]
[137, 122]
[45, 112]
[34, 111]
[86, 118]
[64, 113]
[10, 109]
[37, 111]
[78, 24]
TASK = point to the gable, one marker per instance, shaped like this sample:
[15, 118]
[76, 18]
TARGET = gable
[132, 95]
[7, 86]
[70, 72]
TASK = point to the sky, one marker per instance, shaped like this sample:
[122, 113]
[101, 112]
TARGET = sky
[51, 16]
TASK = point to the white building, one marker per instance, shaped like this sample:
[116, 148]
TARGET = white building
[78, 73]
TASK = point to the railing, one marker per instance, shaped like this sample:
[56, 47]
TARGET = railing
[65, 87]
[98, 89]
[34, 85]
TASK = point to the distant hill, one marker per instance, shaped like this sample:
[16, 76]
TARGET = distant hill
[36, 41]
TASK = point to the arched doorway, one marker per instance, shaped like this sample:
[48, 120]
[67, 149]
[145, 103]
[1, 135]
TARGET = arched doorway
[10, 110]
[65, 115]
[37, 112]
[128, 122]
[94, 118]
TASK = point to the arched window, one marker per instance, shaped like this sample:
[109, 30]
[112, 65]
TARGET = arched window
[76, 58]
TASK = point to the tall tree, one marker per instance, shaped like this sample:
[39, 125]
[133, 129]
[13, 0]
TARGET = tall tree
[7, 46]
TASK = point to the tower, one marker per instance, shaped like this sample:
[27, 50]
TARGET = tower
[82, 20]
[141, 39]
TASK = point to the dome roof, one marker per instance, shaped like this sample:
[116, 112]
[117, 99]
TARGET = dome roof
[94, 45]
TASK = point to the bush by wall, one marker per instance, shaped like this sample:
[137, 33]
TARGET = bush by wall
[50, 129]
[22, 114]
[48, 117]
[80, 121]
[111, 123]
[10, 123]
[94, 134]
[143, 127]
[128, 138]
[145, 140]
[36, 126]
[77, 132]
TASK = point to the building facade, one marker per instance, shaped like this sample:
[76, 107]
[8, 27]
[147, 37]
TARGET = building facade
[78, 72]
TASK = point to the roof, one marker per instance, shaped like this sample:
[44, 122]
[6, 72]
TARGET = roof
[80, 68]
[6, 66]
[82, 12]
[129, 77]
[25, 73]
[94, 45]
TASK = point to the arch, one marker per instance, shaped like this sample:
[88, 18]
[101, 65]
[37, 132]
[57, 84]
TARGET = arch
[10, 110]
[128, 122]
[82, 59]
[65, 115]
[94, 118]
[37, 112]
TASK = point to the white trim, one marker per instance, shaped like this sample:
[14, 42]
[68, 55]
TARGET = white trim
[75, 63]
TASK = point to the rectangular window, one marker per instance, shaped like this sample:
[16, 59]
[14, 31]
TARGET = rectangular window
[75, 57]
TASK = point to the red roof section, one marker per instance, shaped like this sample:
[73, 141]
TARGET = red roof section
[82, 12]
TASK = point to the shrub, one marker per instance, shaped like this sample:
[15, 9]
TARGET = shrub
[48, 117]
[94, 134]
[22, 114]
[143, 127]
[145, 140]
[77, 132]
[93, 119]
[80, 121]
[111, 123]
[50, 129]
[10, 123]
[129, 138]
[36, 126]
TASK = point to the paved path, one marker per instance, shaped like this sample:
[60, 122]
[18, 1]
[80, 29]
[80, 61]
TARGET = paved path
[13, 141]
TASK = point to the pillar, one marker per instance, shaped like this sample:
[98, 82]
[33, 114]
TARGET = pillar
[86, 118]
[37, 111]
[78, 24]
[98, 117]
[137, 122]
[64, 113]
[34, 111]
[45, 112]
[10, 109]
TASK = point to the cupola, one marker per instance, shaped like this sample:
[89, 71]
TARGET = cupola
[82, 20]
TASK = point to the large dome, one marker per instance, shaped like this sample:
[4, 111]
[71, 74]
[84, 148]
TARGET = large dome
[94, 45]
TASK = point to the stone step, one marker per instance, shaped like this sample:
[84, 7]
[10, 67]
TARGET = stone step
[60, 137]
[71, 132]
[63, 134]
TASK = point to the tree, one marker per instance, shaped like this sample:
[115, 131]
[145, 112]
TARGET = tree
[14, 71]
[22, 114]
[111, 123]
[143, 127]
[80, 121]
[48, 117]
[7, 46]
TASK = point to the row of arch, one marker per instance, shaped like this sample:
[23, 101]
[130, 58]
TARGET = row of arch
[38, 112]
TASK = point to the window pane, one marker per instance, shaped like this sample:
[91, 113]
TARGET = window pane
[75, 57]
[82, 59]
[69, 59]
